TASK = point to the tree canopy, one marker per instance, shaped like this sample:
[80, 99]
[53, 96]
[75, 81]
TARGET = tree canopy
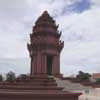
[10, 76]
[83, 76]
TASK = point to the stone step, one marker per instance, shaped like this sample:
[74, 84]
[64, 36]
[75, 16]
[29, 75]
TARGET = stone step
[32, 84]
[36, 80]
[14, 95]
[33, 91]
[31, 87]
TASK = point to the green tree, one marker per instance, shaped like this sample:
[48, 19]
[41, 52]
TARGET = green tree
[1, 77]
[22, 76]
[98, 80]
[10, 76]
[83, 76]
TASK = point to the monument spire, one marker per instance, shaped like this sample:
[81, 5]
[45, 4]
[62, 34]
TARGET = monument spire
[46, 25]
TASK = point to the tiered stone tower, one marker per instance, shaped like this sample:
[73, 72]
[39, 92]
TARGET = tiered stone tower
[45, 47]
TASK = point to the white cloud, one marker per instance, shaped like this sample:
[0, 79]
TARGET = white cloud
[80, 31]
[96, 3]
[82, 40]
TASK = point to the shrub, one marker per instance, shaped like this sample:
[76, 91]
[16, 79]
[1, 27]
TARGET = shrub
[10, 76]
[98, 80]
[22, 76]
[1, 77]
[83, 76]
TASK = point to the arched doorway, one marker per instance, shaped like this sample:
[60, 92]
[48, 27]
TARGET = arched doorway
[49, 64]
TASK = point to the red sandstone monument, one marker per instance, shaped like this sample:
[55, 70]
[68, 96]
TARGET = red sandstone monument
[45, 47]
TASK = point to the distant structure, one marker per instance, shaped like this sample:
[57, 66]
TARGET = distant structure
[44, 48]
[95, 76]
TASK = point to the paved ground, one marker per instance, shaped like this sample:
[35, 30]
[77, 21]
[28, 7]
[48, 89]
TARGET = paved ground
[89, 93]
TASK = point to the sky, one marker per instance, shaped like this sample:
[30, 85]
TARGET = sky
[79, 21]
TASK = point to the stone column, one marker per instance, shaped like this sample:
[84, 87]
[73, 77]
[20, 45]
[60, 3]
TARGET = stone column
[33, 65]
[42, 63]
[43, 69]
[56, 65]
[39, 63]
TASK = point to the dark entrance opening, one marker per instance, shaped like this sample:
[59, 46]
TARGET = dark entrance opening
[49, 65]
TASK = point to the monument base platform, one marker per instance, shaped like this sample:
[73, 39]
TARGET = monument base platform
[35, 88]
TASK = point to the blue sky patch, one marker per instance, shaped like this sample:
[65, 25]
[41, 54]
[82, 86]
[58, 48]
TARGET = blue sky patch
[78, 7]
